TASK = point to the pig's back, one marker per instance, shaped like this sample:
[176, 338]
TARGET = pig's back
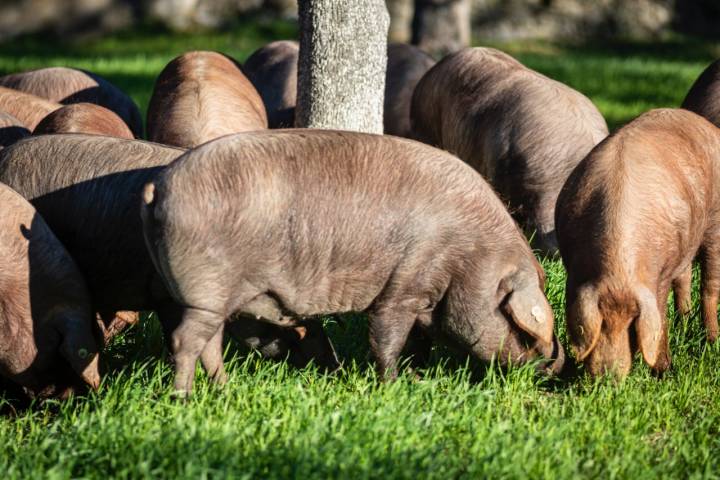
[650, 187]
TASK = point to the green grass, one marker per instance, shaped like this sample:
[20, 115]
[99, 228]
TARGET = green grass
[272, 421]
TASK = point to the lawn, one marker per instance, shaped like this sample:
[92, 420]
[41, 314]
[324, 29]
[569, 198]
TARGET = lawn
[455, 420]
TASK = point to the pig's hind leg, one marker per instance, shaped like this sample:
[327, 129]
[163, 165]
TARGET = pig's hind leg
[211, 358]
[189, 340]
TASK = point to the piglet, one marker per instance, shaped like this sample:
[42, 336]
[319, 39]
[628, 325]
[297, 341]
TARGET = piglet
[70, 85]
[200, 96]
[11, 130]
[84, 118]
[45, 317]
[284, 226]
[630, 220]
[521, 130]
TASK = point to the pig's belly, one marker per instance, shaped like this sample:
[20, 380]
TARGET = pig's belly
[338, 292]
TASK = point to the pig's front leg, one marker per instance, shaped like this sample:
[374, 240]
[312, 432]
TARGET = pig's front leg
[389, 331]
[189, 340]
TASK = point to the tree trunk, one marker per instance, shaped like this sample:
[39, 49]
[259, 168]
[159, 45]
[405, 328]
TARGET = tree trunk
[341, 69]
[441, 26]
[401, 14]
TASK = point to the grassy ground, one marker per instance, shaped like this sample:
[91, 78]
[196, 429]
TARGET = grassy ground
[271, 421]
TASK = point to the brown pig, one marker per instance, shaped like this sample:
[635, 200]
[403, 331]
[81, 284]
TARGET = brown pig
[630, 220]
[406, 66]
[200, 96]
[87, 187]
[45, 316]
[70, 85]
[521, 130]
[84, 118]
[11, 130]
[288, 225]
[272, 69]
[27, 108]
[704, 95]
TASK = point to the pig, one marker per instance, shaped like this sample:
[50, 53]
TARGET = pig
[28, 109]
[704, 95]
[406, 65]
[11, 130]
[521, 130]
[84, 118]
[70, 85]
[87, 187]
[45, 317]
[272, 69]
[200, 96]
[286, 225]
[630, 219]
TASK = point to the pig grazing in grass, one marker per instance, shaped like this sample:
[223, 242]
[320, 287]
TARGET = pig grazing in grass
[406, 66]
[11, 130]
[84, 118]
[704, 95]
[288, 225]
[272, 69]
[45, 317]
[521, 130]
[70, 85]
[630, 220]
[200, 96]
[87, 187]
[28, 109]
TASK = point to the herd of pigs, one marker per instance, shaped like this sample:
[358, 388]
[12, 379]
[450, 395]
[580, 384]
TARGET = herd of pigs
[229, 220]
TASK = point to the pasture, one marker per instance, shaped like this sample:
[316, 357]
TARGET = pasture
[454, 419]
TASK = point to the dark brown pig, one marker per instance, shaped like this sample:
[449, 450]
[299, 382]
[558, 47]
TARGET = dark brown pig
[70, 85]
[272, 69]
[287, 225]
[11, 130]
[200, 96]
[704, 95]
[87, 188]
[84, 118]
[630, 220]
[521, 130]
[406, 66]
[27, 108]
[45, 316]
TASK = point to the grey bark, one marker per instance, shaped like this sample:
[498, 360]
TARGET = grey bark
[341, 69]
[401, 14]
[441, 26]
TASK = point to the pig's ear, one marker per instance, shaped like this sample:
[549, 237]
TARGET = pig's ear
[649, 327]
[79, 348]
[529, 310]
[584, 322]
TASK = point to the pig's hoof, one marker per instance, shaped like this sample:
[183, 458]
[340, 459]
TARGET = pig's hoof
[181, 395]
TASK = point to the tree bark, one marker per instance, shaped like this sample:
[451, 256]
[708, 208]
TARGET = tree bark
[441, 26]
[341, 69]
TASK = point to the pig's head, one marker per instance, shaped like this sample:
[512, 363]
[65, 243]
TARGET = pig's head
[58, 358]
[504, 317]
[607, 326]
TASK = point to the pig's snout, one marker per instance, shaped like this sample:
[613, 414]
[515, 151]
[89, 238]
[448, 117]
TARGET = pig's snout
[555, 355]
[546, 243]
